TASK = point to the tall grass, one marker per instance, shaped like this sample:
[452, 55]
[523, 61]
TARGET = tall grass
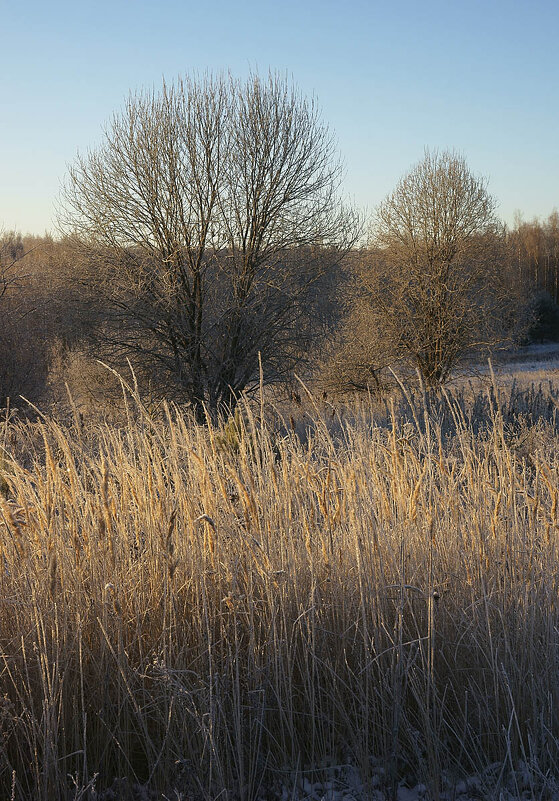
[220, 611]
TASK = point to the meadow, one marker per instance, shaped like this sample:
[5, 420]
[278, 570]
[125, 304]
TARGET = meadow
[342, 602]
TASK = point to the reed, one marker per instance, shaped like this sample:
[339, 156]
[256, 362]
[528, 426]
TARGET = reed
[222, 620]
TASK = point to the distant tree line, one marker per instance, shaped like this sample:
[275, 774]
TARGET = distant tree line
[534, 254]
[534, 249]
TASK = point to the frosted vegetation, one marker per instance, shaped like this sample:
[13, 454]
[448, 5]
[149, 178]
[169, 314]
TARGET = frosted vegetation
[347, 602]
[218, 584]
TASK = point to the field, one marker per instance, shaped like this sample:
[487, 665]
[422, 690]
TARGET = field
[350, 602]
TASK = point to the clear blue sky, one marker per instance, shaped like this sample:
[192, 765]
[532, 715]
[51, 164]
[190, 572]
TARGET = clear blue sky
[481, 77]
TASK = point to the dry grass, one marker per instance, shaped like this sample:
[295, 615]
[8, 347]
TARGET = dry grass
[218, 612]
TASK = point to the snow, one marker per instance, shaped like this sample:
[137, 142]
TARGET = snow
[345, 785]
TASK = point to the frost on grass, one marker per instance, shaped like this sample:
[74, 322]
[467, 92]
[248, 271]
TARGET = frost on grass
[359, 605]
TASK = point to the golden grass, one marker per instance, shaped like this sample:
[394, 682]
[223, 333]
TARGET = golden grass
[216, 617]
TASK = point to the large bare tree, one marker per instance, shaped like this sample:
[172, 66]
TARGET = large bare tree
[201, 223]
[433, 280]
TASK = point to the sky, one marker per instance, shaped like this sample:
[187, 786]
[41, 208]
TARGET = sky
[392, 77]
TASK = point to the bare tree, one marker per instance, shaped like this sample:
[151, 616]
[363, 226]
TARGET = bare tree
[202, 220]
[434, 281]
